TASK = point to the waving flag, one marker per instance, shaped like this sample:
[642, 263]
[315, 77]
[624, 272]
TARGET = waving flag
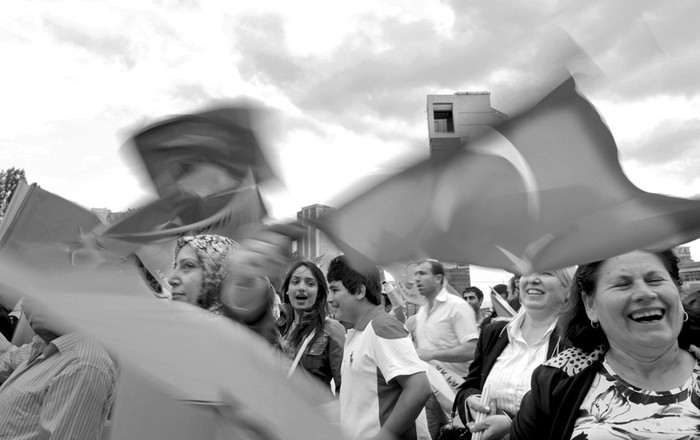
[544, 189]
[185, 353]
[205, 168]
[202, 152]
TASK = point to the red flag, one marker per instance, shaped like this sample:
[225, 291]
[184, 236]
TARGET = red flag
[544, 189]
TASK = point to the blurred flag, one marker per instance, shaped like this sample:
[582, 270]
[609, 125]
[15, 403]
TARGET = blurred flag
[202, 153]
[44, 230]
[186, 353]
[205, 168]
[183, 214]
[500, 306]
[544, 189]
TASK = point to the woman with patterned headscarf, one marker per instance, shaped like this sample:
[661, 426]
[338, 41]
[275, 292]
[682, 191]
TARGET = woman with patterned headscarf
[200, 267]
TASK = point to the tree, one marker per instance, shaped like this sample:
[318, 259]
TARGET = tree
[8, 183]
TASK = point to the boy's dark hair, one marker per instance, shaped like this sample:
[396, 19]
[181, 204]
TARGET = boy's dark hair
[340, 270]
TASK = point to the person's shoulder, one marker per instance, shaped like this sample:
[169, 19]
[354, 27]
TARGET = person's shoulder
[494, 328]
[574, 360]
[89, 352]
[455, 301]
[386, 326]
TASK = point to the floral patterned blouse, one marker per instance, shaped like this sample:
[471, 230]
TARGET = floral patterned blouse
[615, 409]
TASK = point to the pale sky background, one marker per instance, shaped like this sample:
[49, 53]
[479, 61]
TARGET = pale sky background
[347, 79]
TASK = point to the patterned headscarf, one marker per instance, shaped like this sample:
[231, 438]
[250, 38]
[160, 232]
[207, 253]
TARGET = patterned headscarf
[212, 251]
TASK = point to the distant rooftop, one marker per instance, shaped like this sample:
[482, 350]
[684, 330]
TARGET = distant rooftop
[472, 93]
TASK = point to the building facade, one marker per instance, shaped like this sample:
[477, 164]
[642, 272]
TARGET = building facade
[452, 121]
[315, 245]
[689, 270]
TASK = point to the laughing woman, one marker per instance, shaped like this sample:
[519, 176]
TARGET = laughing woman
[305, 326]
[508, 352]
[634, 372]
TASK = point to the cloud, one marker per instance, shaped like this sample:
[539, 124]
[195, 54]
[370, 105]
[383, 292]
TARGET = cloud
[102, 44]
[360, 76]
[673, 141]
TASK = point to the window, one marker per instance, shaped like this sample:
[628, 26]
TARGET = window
[442, 115]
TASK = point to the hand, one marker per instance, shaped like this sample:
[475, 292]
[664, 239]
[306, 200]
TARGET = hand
[494, 427]
[245, 290]
[424, 355]
[264, 253]
[475, 406]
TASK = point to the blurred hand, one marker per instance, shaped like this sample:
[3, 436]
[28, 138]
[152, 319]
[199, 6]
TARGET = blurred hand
[494, 427]
[245, 290]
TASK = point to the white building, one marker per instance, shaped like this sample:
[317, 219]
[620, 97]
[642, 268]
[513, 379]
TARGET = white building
[453, 119]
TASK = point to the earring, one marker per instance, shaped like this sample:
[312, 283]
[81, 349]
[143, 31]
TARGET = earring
[594, 324]
[685, 316]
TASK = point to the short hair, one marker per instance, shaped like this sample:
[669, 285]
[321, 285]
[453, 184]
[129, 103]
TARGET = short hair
[340, 270]
[476, 290]
[435, 266]
[574, 322]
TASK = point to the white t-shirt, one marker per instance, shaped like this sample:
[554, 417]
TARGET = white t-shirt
[376, 351]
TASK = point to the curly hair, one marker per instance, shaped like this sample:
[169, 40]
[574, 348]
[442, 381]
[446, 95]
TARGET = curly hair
[574, 322]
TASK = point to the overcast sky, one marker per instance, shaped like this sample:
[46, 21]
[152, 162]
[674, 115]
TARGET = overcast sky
[347, 79]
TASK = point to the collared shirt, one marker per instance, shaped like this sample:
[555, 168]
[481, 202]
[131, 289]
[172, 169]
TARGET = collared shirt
[509, 378]
[62, 390]
[377, 350]
[449, 323]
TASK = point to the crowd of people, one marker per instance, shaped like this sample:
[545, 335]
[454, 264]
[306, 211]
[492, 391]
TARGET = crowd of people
[608, 349]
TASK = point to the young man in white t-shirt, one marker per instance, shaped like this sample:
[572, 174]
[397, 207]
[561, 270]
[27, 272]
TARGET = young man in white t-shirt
[384, 382]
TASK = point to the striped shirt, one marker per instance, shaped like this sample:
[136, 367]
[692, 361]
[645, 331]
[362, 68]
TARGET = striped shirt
[60, 390]
[510, 376]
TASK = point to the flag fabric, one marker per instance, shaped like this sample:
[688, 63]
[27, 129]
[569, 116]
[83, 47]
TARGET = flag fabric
[213, 148]
[500, 306]
[187, 353]
[544, 189]
[205, 168]
[43, 229]
[182, 214]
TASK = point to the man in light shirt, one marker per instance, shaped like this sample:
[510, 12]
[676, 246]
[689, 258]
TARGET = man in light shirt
[444, 329]
[61, 386]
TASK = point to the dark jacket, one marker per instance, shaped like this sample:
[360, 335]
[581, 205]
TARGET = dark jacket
[324, 356]
[492, 341]
[559, 386]
[550, 409]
